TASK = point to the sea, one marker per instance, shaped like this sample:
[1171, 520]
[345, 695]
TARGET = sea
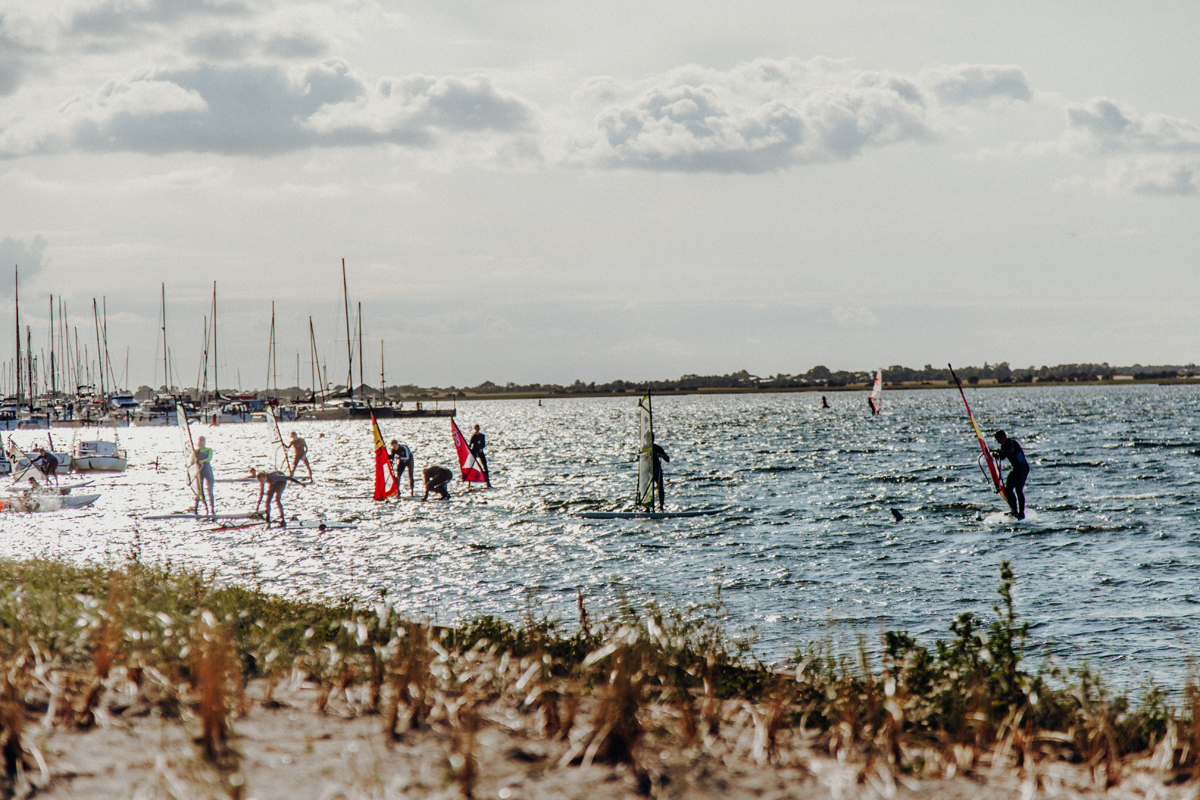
[805, 551]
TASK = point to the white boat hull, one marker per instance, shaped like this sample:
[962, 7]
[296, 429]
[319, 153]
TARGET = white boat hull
[99, 464]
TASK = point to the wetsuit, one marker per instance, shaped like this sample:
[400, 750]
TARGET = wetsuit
[48, 464]
[660, 456]
[205, 478]
[477, 443]
[436, 479]
[1014, 484]
[273, 483]
[402, 459]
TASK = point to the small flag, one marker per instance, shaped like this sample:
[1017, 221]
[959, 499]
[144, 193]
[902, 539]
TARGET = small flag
[383, 466]
[466, 459]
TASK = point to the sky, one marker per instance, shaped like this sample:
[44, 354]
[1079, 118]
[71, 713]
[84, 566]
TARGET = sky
[549, 190]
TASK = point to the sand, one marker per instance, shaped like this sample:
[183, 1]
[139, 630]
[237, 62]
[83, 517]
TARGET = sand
[293, 751]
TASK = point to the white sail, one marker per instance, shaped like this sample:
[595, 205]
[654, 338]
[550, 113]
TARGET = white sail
[189, 450]
[876, 398]
[645, 484]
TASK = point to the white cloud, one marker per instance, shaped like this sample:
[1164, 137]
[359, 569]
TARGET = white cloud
[1151, 175]
[261, 110]
[857, 316]
[1102, 124]
[973, 83]
[759, 116]
[1148, 154]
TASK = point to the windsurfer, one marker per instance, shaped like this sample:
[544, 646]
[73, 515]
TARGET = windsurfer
[436, 479]
[660, 456]
[477, 443]
[202, 457]
[1014, 484]
[47, 463]
[402, 459]
[300, 452]
[272, 484]
[824, 402]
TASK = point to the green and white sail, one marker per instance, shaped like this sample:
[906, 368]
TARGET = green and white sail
[645, 484]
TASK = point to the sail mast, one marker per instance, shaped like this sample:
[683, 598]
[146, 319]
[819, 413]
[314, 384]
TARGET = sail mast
[349, 351]
[99, 352]
[216, 361]
[361, 383]
[53, 374]
[17, 341]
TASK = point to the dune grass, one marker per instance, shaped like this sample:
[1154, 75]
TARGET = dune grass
[77, 641]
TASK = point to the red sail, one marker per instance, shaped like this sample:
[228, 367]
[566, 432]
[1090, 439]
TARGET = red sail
[383, 466]
[466, 459]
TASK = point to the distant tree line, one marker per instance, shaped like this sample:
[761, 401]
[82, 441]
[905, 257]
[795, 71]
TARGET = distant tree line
[817, 377]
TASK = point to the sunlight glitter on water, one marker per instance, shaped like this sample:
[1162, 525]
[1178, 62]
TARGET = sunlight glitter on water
[808, 549]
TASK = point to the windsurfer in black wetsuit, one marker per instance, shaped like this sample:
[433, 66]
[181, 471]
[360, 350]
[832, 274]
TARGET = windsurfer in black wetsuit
[660, 456]
[477, 443]
[1014, 484]
[402, 459]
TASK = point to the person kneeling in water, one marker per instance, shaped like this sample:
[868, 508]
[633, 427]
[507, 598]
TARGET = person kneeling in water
[1014, 484]
[436, 479]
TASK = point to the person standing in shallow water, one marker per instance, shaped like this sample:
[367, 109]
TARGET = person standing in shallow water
[1014, 484]
[202, 456]
[477, 443]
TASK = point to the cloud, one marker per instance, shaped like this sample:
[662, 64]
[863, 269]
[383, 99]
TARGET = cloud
[261, 110]
[30, 258]
[14, 60]
[1153, 175]
[114, 18]
[223, 45]
[857, 317]
[760, 116]
[227, 45]
[974, 83]
[1102, 124]
[296, 45]
[1148, 154]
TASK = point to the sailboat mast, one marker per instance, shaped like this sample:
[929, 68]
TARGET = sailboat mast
[361, 383]
[216, 361]
[349, 352]
[166, 375]
[271, 347]
[112, 376]
[53, 374]
[99, 352]
[382, 372]
[312, 353]
[17, 340]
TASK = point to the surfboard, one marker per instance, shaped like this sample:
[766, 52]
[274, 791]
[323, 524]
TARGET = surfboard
[707, 512]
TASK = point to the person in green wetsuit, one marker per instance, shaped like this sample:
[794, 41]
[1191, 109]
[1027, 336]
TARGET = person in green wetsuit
[202, 457]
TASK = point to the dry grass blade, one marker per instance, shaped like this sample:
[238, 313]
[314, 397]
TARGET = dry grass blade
[213, 671]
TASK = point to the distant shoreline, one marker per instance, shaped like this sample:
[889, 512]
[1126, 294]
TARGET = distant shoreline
[984, 383]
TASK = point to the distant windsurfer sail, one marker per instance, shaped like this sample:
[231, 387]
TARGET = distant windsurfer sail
[470, 471]
[875, 401]
[193, 468]
[645, 476]
[992, 470]
[383, 466]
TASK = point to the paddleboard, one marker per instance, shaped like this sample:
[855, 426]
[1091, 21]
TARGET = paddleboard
[648, 514]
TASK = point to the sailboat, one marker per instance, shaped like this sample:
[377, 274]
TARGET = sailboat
[646, 483]
[875, 401]
[100, 455]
